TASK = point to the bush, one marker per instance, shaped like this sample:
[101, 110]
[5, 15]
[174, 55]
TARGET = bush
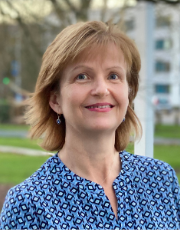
[4, 112]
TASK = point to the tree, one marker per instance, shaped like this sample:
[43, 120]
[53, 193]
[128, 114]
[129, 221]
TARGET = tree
[34, 30]
[27, 31]
[171, 2]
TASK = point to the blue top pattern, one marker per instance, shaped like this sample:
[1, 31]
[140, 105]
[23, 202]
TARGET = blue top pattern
[147, 192]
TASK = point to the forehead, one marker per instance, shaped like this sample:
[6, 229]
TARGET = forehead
[100, 53]
[103, 56]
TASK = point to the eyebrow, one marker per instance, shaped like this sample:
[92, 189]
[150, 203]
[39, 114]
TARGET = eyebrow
[84, 66]
[81, 66]
[115, 67]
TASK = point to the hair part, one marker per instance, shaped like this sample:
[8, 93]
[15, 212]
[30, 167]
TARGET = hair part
[65, 49]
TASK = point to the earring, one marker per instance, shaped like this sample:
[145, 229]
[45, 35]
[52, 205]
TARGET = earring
[124, 119]
[58, 121]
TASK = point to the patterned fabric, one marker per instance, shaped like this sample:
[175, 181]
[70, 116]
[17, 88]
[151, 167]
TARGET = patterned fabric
[147, 192]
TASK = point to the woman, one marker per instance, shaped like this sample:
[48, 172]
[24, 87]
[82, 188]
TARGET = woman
[82, 108]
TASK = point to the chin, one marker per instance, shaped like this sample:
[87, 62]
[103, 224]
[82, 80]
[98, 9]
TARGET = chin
[103, 127]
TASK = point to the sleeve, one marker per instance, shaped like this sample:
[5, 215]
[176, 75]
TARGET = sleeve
[17, 212]
[176, 193]
[6, 213]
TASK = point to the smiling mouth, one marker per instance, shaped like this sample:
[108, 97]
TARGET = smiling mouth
[103, 106]
[99, 106]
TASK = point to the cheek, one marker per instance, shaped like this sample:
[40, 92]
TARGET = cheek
[65, 98]
[122, 95]
[71, 96]
[125, 100]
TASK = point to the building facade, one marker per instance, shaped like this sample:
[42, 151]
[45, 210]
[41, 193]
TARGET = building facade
[166, 53]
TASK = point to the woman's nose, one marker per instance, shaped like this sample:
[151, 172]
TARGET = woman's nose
[100, 88]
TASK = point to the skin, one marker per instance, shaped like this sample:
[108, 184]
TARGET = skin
[90, 135]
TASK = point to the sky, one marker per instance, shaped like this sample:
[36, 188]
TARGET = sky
[40, 8]
[26, 8]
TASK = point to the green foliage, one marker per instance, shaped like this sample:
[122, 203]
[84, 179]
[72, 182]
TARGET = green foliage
[6, 80]
[4, 111]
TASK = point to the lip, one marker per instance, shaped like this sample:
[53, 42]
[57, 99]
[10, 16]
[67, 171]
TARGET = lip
[96, 109]
[100, 104]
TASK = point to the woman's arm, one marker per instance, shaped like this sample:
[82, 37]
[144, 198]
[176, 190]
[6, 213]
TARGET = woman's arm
[176, 193]
[17, 211]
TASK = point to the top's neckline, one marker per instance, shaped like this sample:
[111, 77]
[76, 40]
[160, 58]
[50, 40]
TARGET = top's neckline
[125, 170]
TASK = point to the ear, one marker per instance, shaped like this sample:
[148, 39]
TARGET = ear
[54, 102]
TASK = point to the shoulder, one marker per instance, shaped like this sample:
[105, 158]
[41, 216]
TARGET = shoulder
[151, 170]
[36, 180]
[154, 178]
[21, 201]
[144, 163]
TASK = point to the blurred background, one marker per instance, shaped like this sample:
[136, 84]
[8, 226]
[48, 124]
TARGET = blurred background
[27, 27]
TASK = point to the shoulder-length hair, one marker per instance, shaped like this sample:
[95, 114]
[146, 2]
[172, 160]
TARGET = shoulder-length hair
[68, 44]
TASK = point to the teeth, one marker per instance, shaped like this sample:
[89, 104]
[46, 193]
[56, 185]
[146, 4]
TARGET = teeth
[100, 106]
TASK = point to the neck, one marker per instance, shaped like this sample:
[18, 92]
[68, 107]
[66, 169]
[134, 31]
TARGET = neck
[91, 156]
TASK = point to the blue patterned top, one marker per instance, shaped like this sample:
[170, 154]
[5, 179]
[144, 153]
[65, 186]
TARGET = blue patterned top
[147, 192]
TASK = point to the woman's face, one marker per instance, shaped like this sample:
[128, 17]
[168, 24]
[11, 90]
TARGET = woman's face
[93, 94]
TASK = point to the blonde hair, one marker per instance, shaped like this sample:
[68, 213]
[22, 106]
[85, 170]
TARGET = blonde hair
[67, 46]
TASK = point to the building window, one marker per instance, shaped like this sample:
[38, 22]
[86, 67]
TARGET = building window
[163, 21]
[162, 66]
[162, 88]
[129, 25]
[163, 44]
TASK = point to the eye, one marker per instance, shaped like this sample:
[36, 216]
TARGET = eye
[82, 77]
[113, 76]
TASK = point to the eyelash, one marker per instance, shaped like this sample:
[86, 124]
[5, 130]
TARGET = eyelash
[86, 75]
[115, 75]
[81, 75]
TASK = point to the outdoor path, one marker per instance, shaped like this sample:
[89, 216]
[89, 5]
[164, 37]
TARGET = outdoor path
[13, 133]
[24, 151]
[166, 141]
[24, 133]
[33, 152]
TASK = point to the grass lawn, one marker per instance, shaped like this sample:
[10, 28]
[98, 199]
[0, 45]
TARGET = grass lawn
[166, 153]
[19, 142]
[13, 127]
[16, 168]
[167, 131]
[169, 154]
